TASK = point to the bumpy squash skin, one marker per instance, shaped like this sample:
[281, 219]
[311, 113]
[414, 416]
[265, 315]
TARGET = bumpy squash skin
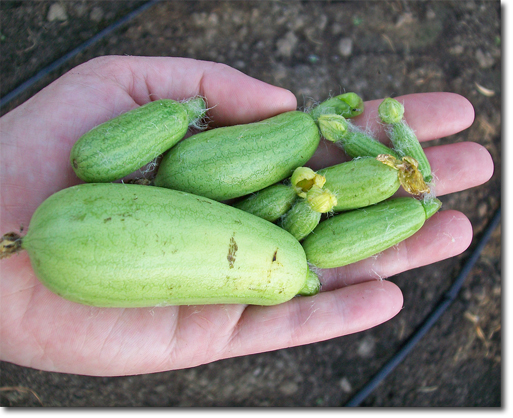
[361, 233]
[301, 220]
[270, 203]
[406, 143]
[117, 245]
[126, 143]
[358, 143]
[360, 182]
[230, 162]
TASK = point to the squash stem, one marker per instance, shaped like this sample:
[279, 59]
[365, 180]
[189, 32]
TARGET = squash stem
[431, 206]
[312, 285]
[347, 105]
[10, 244]
[196, 109]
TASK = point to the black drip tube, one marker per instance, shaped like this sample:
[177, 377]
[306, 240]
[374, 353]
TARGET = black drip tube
[67, 57]
[449, 297]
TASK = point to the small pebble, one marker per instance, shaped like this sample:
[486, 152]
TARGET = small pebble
[288, 388]
[484, 59]
[287, 44]
[96, 14]
[56, 12]
[366, 347]
[345, 47]
[345, 385]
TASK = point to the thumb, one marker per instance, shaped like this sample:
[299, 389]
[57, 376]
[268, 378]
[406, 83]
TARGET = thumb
[236, 98]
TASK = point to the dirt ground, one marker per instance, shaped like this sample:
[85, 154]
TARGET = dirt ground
[315, 49]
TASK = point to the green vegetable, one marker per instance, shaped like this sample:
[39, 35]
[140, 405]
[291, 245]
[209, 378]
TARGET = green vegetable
[312, 286]
[305, 215]
[354, 141]
[126, 143]
[301, 220]
[117, 245]
[234, 161]
[347, 105]
[391, 111]
[274, 201]
[361, 233]
[270, 203]
[360, 182]
[402, 135]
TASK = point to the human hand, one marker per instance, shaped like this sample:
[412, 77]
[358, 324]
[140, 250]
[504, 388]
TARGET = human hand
[40, 329]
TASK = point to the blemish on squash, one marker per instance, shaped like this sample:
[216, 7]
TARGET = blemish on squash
[232, 250]
[274, 255]
[80, 217]
[107, 220]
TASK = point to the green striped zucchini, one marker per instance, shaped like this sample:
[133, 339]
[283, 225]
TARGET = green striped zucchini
[270, 203]
[234, 161]
[127, 142]
[360, 182]
[403, 137]
[305, 215]
[355, 235]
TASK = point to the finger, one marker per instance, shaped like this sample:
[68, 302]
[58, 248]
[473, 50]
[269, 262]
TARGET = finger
[458, 167]
[431, 115]
[444, 235]
[232, 96]
[310, 319]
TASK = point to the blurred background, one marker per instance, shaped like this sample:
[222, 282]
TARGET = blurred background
[315, 49]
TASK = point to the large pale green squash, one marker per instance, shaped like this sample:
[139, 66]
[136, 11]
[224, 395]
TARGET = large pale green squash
[132, 246]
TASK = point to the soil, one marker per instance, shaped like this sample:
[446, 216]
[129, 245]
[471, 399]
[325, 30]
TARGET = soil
[315, 49]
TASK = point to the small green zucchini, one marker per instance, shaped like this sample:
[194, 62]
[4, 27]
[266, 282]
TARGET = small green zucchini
[234, 161]
[127, 142]
[353, 140]
[360, 182]
[274, 201]
[347, 105]
[305, 215]
[355, 235]
[270, 203]
[120, 245]
[300, 220]
[403, 137]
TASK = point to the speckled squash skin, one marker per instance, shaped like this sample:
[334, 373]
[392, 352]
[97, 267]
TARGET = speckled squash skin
[360, 182]
[127, 142]
[355, 235]
[270, 203]
[230, 162]
[118, 245]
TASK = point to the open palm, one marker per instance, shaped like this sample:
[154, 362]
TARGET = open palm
[41, 330]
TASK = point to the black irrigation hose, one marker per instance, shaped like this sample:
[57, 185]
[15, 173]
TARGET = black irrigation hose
[449, 297]
[67, 57]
